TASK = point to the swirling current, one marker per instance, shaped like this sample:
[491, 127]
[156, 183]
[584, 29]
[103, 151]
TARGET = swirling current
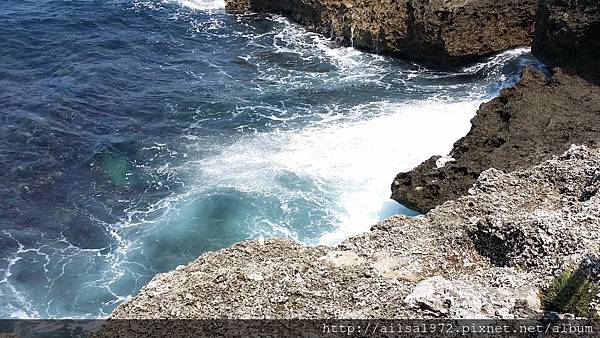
[137, 134]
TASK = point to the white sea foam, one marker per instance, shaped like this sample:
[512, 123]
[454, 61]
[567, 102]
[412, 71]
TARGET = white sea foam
[357, 159]
[497, 60]
[353, 154]
[341, 166]
[203, 4]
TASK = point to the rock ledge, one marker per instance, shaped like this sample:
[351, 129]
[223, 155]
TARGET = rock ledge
[439, 31]
[527, 124]
[485, 255]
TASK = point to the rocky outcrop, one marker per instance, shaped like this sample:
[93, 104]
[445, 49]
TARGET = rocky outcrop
[460, 299]
[439, 31]
[536, 119]
[492, 238]
[526, 124]
[568, 36]
[484, 255]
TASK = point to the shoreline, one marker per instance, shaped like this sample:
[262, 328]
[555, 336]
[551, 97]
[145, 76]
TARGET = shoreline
[491, 241]
[415, 263]
[440, 33]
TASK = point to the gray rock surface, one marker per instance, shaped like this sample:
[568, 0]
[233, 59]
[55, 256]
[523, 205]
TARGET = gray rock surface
[459, 299]
[526, 124]
[483, 255]
[439, 31]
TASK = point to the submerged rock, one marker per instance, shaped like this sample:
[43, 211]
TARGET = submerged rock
[443, 32]
[436, 265]
[526, 124]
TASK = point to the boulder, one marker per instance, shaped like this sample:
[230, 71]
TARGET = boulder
[459, 299]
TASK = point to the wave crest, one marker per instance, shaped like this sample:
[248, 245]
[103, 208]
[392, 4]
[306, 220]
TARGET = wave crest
[204, 5]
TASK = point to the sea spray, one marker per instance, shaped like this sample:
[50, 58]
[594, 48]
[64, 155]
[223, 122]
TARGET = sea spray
[155, 131]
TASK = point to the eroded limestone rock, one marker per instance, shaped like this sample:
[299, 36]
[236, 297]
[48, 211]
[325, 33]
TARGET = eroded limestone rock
[440, 31]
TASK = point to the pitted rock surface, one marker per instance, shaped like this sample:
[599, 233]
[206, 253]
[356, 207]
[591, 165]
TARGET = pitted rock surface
[536, 216]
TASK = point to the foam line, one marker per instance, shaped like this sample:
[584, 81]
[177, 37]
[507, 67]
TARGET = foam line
[204, 5]
[353, 160]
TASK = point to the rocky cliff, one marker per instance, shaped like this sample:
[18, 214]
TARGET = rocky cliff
[526, 124]
[536, 119]
[439, 31]
[498, 230]
[568, 36]
[456, 261]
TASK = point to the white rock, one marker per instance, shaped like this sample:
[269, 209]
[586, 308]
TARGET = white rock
[441, 162]
[255, 276]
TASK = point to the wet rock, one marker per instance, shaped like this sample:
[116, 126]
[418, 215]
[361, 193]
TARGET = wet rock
[567, 35]
[536, 119]
[442, 32]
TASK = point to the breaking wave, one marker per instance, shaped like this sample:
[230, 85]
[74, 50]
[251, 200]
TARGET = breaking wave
[154, 131]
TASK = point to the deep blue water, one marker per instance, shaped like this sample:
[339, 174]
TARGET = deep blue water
[136, 135]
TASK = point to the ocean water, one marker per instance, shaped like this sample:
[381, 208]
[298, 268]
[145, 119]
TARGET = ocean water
[137, 134]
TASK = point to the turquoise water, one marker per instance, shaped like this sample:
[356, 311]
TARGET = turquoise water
[136, 135]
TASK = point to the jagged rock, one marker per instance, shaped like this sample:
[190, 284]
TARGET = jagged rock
[386, 272]
[526, 124]
[568, 36]
[552, 228]
[459, 299]
[440, 31]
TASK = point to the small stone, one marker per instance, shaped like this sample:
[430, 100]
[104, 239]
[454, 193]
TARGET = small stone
[257, 277]
[504, 313]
